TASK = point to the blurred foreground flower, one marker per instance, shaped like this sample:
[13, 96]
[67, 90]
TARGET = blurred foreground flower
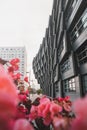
[22, 124]
[7, 86]
[17, 112]
[80, 109]
[8, 100]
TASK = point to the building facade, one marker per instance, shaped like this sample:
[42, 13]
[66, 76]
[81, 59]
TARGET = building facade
[61, 63]
[8, 53]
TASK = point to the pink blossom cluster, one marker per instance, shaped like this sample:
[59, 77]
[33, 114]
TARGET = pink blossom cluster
[8, 105]
[17, 112]
[14, 66]
[46, 109]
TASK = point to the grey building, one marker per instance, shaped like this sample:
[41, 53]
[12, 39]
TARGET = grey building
[9, 53]
[61, 63]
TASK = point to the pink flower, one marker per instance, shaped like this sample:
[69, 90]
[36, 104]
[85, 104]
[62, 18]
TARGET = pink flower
[66, 106]
[46, 114]
[16, 67]
[55, 109]
[59, 123]
[41, 108]
[20, 113]
[67, 98]
[44, 99]
[22, 108]
[79, 124]
[13, 68]
[7, 86]
[60, 99]
[47, 121]
[16, 76]
[8, 100]
[7, 104]
[33, 112]
[6, 123]
[80, 109]
[22, 97]
[10, 69]
[14, 61]
[27, 92]
[47, 110]
[22, 124]
[26, 79]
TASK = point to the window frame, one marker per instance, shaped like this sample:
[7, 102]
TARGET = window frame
[69, 85]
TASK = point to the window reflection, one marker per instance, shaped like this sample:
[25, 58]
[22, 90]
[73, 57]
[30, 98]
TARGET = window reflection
[80, 26]
[69, 85]
[70, 9]
[65, 66]
[82, 54]
[84, 82]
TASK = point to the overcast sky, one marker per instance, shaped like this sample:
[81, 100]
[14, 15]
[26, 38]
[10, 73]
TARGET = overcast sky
[23, 23]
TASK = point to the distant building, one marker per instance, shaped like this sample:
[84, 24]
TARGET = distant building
[8, 53]
[61, 63]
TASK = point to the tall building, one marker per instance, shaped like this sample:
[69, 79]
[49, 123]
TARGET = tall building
[8, 53]
[61, 63]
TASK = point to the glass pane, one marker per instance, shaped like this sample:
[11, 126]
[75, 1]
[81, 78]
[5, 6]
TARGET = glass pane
[74, 89]
[69, 81]
[84, 17]
[74, 3]
[85, 24]
[81, 29]
[85, 83]
[85, 78]
[73, 80]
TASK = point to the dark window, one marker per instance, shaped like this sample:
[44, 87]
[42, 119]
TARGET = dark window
[69, 85]
[56, 87]
[60, 49]
[43, 59]
[82, 54]
[79, 27]
[54, 73]
[70, 9]
[84, 82]
[65, 66]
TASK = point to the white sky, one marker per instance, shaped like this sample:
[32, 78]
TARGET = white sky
[23, 23]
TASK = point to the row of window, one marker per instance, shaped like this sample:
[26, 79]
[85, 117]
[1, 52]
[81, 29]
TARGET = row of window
[65, 66]
[82, 55]
[12, 49]
[69, 85]
[12, 55]
[70, 9]
[84, 81]
[79, 27]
